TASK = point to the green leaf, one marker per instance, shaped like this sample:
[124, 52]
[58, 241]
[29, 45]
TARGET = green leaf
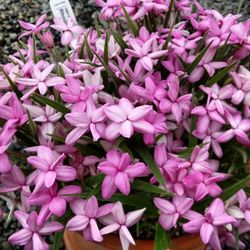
[12, 84]
[34, 49]
[196, 61]
[20, 54]
[148, 159]
[131, 24]
[97, 25]
[146, 187]
[32, 125]
[46, 101]
[119, 39]
[162, 238]
[222, 73]
[89, 51]
[168, 14]
[106, 50]
[229, 192]
[57, 241]
[93, 180]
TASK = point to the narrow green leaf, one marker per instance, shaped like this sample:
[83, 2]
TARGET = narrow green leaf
[196, 61]
[106, 49]
[97, 25]
[229, 192]
[89, 51]
[148, 159]
[35, 56]
[32, 125]
[168, 14]
[12, 84]
[57, 241]
[119, 39]
[20, 54]
[146, 187]
[222, 73]
[162, 238]
[46, 101]
[131, 24]
[93, 180]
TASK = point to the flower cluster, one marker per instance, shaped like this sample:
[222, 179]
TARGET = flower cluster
[151, 109]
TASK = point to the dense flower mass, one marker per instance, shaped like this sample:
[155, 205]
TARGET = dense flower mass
[150, 110]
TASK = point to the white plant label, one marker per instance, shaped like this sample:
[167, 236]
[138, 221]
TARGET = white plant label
[63, 9]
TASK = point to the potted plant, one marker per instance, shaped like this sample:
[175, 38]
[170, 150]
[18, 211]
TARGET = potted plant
[137, 129]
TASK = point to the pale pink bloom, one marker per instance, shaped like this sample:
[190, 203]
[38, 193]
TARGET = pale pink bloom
[40, 80]
[52, 201]
[49, 165]
[47, 116]
[91, 120]
[113, 48]
[242, 84]
[120, 221]
[47, 39]
[206, 64]
[93, 80]
[86, 214]
[30, 235]
[34, 28]
[147, 57]
[126, 119]
[171, 211]
[214, 216]
[68, 29]
[239, 129]
[119, 173]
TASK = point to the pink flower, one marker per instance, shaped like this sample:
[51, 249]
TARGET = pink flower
[49, 165]
[206, 64]
[121, 222]
[125, 119]
[215, 216]
[86, 214]
[52, 201]
[69, 29]
[34, 28]
[119, 172]
[40, 80]
[30, 235]
[144, 51]
[177, 106]
[91, 120]
[5, 140]
[239, 129]
[171, 211]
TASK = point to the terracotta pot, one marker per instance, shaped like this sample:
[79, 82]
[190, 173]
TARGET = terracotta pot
[75, 241]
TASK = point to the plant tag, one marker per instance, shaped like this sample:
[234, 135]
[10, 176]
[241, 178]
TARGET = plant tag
[63, 9]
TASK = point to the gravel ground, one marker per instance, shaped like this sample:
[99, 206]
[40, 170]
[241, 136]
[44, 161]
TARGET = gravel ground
[13, 10]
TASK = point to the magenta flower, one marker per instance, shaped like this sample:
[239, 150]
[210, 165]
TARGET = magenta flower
[215, 216]
[49, 165]
[69, 29]
[30, 235]
[5, 140]
[40, 80]
[91, 120]
[34, 28]
[171, 211]
[126, 119]
[174, 104]
[52, 202]
[86, 214]
[119, 172]
[121, 222]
